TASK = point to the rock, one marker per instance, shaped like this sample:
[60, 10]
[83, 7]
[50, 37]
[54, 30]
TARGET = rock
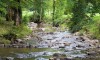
[79, 46]
[1, 45]
[68, 36]
[54, 37]
[61, 46]
[18, 41]
[49, 39]
[98, 46]
[57, 55]
[66, 44]
[46, 53]
[40, 58]
[50, 33]
[60, 59]
[65, 59]
[43, 29]
[80, 38]
[15, 46]
[0, 58]
[51, 59]
[68, 48]
[77, 34]
[95, 42]
[22, 46]
[7, 45]
[23, 55]
[9, 58]
[93, 53]
[32, 25]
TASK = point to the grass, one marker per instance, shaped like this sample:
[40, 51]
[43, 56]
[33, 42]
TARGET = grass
[7, 28]
[4, 41]
[95, 27]
[20, 31]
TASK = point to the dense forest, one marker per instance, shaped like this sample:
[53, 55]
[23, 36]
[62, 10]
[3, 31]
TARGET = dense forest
[76, 15]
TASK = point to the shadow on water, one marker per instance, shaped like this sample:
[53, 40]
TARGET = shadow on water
[11, 52]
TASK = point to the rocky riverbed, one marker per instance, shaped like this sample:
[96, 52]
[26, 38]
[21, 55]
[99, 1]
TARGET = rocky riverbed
[54, 45]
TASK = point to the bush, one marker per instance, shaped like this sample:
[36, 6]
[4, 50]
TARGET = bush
[26, 19]
[5, 27]
[10, 32]
[26, 16]
[20, 31]
[4, 41]
[95, 27]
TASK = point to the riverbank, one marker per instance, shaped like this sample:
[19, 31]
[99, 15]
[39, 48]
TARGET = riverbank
[51, 44]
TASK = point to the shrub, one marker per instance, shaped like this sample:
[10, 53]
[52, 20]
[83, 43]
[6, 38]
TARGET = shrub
[4, 41]
[93, 28]
[26, 16]
[20, 31]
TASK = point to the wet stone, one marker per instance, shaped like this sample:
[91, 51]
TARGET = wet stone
[9, 58]
[91, 53]
[0, 58]
[61, 46]
[40, 58]
[56, 55]
[1, 45]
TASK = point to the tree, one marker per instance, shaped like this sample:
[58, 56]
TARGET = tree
[58, 11]
[17, 14]
[53, 14]
[2, 9]
[78, 15]
[39, 10]
[14, 12]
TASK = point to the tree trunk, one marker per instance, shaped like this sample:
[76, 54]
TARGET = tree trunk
[41, 10]
[53, 16]
[17, 14]
[10, 14]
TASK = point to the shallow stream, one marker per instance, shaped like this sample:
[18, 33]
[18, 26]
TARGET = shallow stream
[62, 43]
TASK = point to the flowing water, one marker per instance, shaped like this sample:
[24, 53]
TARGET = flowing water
[62, 43]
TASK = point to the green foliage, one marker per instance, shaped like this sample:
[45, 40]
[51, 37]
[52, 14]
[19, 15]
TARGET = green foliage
[7, 28]
[94, 27]
[26, 16]
[78, 15]
[4, 41]
[85, 17]
[21, 31]
[62, 20]
[58, 11]
[2, 9]
[69, 6]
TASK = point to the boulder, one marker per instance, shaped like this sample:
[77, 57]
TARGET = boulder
[51, 59]
[66, 44]
[9, 58]
[56, 55]
[60, 59]
[80, 38]
[40, 58]
[0, 58]
[1, 45]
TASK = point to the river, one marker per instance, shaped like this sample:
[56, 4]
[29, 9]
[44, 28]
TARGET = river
[57, 44]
